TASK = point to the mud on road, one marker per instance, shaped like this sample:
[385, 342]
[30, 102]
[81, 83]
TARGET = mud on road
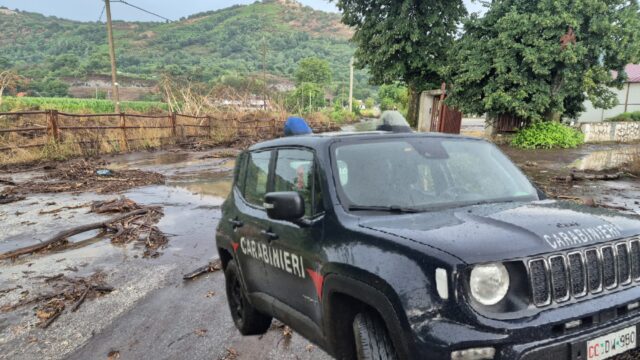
[149, 311]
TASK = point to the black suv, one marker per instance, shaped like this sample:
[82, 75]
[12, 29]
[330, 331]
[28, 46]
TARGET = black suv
[385, 245]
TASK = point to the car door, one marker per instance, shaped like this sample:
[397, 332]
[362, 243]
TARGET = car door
[250, 218]
[294, 274]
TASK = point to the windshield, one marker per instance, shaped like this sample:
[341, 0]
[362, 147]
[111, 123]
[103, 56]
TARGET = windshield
[423, 173]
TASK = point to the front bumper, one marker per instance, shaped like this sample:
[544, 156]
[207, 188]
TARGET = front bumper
[437, 339]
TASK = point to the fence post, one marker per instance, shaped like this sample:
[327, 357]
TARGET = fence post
[123, 127]
[54, 135]
[275, 127]
[209, 126]
[172, 120]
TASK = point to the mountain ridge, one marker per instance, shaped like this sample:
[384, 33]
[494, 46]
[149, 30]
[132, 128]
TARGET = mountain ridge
[202, 47]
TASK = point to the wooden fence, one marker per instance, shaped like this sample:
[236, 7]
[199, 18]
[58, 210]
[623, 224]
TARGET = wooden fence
[33, 129]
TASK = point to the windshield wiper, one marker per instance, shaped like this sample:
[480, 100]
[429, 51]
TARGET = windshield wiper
[391, 209]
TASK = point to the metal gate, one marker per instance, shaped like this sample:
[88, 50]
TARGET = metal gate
[443, 118]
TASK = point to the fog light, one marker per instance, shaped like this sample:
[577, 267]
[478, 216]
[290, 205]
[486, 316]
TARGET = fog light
[474, 354]
[573, 324]
[633, 306]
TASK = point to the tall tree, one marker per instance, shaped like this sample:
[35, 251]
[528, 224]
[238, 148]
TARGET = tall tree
[403, 40]
[540, 59]
[313, 70]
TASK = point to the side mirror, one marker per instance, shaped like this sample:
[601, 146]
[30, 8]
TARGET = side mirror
[285, 205]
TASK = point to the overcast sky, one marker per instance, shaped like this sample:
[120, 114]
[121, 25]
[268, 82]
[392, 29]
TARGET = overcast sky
[89, 10]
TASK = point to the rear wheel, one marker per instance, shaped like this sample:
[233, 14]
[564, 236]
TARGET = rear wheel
[372, 338]
[246, 318]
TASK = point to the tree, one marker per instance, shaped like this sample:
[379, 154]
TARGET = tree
[540, 59]
[313, 70]
[9, 80]
[403, 40]
[393, 96]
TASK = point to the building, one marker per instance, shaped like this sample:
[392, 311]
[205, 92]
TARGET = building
[628, 99]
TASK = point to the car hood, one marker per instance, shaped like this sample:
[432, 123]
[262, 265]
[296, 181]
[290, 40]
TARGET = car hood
[495, 232]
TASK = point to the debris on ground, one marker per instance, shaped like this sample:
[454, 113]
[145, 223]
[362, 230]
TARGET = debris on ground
[583, 176]
[200, 332]
[113, 355]
[104, 172]
[61, 292]
[232, 354]
[8, 198]
[220, 154]
[212, 266]
[57, 210]
[80, 175]
[7, 182]
[137, 224]
[121, 204]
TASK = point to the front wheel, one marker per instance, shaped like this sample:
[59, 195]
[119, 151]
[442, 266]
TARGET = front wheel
[246, 318]
[372, 339]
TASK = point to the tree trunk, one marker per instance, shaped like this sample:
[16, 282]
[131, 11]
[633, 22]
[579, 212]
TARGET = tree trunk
[413, 105]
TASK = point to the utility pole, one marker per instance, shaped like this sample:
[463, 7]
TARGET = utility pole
[351, 86]
[264, 72]
[112, 55]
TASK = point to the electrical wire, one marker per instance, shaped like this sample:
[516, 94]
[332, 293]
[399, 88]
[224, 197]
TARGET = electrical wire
[102, 13]
[141, 9]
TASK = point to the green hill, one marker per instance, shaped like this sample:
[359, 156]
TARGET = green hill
[202, 47]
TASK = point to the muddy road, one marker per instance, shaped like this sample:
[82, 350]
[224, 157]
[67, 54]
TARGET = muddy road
[152, 313]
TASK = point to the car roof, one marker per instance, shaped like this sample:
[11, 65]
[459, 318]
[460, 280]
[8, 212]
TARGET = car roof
[320, 139]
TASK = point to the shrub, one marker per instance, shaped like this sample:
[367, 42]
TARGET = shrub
[547, 135]
[628, 116]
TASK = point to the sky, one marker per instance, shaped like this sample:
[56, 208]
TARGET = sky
[89, 10]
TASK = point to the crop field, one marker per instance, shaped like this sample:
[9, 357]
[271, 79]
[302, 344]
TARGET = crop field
[79, 106]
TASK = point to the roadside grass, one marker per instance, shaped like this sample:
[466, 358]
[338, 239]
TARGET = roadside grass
[79, 106]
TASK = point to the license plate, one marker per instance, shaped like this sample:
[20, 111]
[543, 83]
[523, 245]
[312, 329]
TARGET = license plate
[612, 344]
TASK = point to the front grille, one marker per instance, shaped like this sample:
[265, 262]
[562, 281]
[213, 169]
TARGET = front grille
[560, 277]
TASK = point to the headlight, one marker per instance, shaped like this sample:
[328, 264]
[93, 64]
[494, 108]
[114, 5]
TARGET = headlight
[489, 283]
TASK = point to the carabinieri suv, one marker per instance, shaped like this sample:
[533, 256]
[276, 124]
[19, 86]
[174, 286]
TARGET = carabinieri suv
[396, 245]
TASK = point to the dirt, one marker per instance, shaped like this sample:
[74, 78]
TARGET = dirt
[564, 174]
[83, 175]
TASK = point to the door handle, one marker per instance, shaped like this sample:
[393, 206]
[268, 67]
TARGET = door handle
[269, 235]
[236, 223]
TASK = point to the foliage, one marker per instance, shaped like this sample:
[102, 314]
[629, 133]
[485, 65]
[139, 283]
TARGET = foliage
[541, 59]
[547, 135]
[203, 48]
[369, 103]
[313, 70]
[404, 40]
[49, 87]
[394, 96]
[307, 97]
[627, 116]
[79, 106]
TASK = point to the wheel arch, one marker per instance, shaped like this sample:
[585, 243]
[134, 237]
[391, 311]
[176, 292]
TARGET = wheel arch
[345, 296]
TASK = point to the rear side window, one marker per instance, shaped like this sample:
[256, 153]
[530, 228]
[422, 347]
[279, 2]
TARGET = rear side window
[240, 173]
[257, 175]
[295, 172]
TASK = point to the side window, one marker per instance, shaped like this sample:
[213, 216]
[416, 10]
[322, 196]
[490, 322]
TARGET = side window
[240, 171]
[295, 172]
[257, 175]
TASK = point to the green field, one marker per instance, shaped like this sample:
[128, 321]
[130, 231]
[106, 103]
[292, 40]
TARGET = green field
[79, 106]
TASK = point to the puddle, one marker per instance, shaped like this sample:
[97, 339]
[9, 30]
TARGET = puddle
[608, 159]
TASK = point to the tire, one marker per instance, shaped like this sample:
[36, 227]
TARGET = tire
[372, 339]
[246, 318]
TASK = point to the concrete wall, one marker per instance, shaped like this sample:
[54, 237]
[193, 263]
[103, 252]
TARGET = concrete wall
[611, 132]
[596, 115]
[426, 109]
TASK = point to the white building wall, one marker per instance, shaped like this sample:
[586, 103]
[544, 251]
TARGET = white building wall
[596, 115]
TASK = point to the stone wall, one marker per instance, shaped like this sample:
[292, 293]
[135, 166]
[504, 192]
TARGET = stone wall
[611, 132]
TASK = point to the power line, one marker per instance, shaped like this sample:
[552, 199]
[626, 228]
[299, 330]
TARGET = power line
[101, 13]
[141, 9]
